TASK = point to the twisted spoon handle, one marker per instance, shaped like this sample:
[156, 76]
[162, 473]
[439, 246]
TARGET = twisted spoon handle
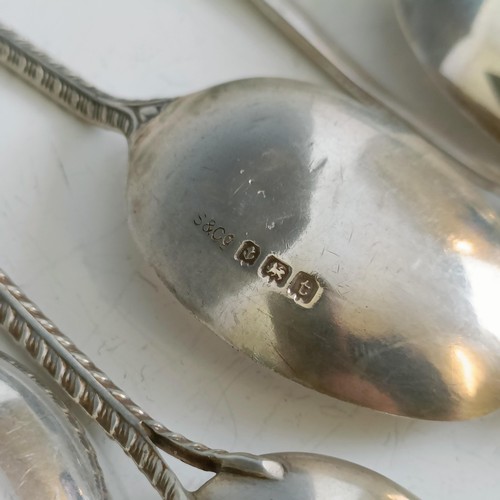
[71, 92]
[136, 432]
[86, 385]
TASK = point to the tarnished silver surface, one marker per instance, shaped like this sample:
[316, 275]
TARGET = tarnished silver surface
[70, 91]
[136, 432]
[324, 240]
[379, 67]
[308, 477]
[404, 248]
[281, 476]
[44, 453]
[459, 41]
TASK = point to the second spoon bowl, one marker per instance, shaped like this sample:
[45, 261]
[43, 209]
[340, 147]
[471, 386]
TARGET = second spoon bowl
[464, 57]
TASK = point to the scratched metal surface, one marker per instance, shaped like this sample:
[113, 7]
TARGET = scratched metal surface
[64, 238]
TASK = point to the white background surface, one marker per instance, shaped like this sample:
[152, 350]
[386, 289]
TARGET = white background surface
[64, 239]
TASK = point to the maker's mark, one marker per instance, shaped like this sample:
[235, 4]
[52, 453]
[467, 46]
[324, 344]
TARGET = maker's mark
[248, 253]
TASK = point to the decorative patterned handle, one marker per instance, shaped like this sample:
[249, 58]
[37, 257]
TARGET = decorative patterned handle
[86, 385]
[71, 92]
[136, 432]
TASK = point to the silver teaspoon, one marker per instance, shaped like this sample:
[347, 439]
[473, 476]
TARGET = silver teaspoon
[322, 239]
[44, 451]
[458, 41]
[289, 476]
[379, 67]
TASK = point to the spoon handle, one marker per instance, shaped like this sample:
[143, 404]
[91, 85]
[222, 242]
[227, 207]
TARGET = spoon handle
[71, 92]
[86, 385]
[136, 432]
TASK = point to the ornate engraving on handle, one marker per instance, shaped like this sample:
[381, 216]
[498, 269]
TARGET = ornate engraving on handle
[136, 432]
[71, 92]
[135, 444]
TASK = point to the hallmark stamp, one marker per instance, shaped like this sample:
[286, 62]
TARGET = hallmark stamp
[275, 270]
[304, 288]
[248, 253]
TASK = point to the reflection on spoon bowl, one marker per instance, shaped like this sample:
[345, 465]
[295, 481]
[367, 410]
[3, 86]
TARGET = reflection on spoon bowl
[321, 238]
[459, 42]
[44, 452]
[307, 477]
[325, 241]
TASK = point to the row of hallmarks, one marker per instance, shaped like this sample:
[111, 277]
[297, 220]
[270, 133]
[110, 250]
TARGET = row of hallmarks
[304, 288]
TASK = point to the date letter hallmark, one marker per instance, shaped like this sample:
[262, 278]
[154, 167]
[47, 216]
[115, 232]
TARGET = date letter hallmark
[213, 231]
[305, 289]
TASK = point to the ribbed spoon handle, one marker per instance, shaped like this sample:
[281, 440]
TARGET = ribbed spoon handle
[87, 385]
[136, 432]
[71, 92]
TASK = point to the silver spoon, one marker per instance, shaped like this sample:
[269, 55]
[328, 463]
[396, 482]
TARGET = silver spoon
[241, 476]
[44, 451]
[459, 42]
[324, 240]
[379, 68]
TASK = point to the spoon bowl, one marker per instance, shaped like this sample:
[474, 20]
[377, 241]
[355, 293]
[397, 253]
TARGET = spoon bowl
[458, 41]
[307, 476]
[323, 239]
[45, 452]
